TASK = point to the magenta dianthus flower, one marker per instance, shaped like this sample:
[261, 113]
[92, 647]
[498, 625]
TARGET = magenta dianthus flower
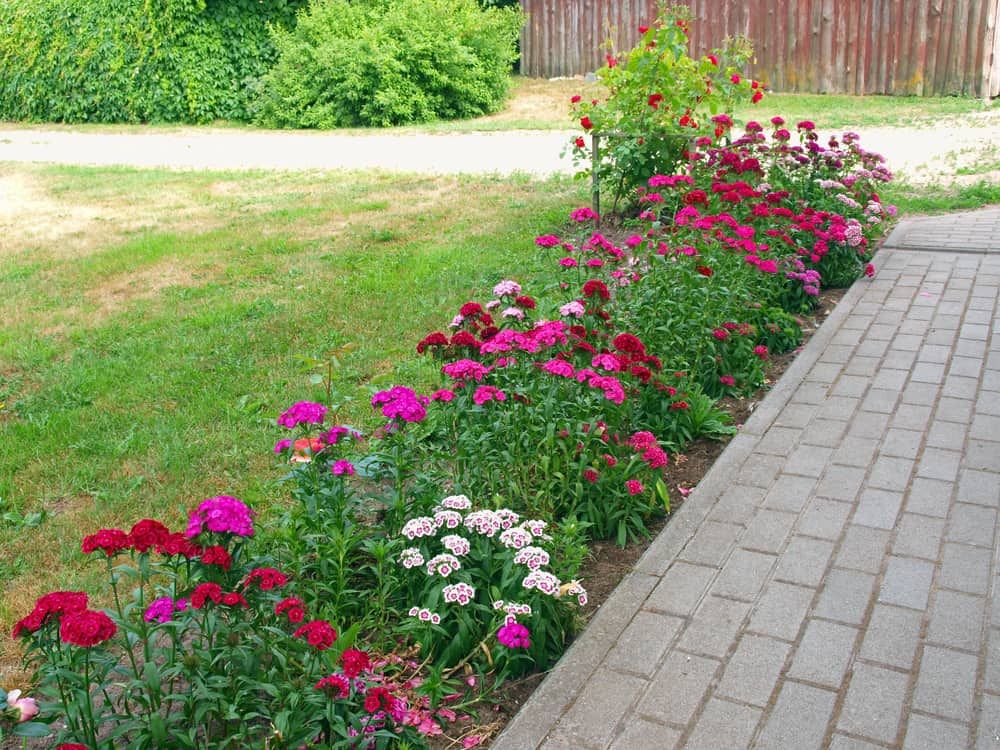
[514, 635]
[222, 514]
[303, 412]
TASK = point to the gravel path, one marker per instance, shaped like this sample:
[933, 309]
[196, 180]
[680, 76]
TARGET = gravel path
[922, 154]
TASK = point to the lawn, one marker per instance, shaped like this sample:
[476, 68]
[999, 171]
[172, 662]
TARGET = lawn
[155, 324]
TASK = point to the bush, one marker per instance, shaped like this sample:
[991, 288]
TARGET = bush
[388, 63]
[135, 60]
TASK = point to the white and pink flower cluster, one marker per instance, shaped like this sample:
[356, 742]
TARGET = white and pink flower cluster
[459, 593]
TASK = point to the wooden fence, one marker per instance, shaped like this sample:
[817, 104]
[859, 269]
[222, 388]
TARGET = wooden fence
[922, 47]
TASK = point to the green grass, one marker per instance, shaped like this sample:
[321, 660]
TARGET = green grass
[142, 372]
[933, 199]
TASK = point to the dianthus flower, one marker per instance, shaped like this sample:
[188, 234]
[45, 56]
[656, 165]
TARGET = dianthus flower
[49, 607]
[109, 541]
[205, 592]
[432, 339]
[547, 240]
[418, 527]
[606, 362]
[466, 369]
[146, 534]
[484, 522]
[342, 467]
[458, 593]
[655, 456]
[486, 393]
[303, 412]
[178, 544]
[634, 487]
[443, 565]
[162, 609]
[216, 555]
[558, 367]
[318, 633]
[515, 538]
[411, 558]
[456, 502]
[583, 214]
[544, 582]
[574, 309]
[354, 662]
[292, 608]
[86, 628]
[233, 599]
[337, 686]
[642, 440]
[514, 635]
[597, 288]
[222, 514]
[265, 578]
[507, 288]
[533, 557]
[400, 402]
[457, 545]
[425, 615]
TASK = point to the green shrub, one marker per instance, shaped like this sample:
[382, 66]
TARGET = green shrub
[388, 63]
[134, 60]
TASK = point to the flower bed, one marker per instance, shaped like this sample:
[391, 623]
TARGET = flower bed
[424, 563]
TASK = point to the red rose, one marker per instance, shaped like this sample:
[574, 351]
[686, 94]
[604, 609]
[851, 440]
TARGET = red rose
[86, 628]
[643, 29]
[574, 99]
[579, 142]
[585, 123]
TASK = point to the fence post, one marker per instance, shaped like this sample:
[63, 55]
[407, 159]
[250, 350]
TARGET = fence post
[595, 160]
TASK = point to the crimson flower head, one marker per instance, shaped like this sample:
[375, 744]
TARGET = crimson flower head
[586, 123]
[469, 309]
[379, 697]
[109, 541]
[713, 59]
[464, 338]
[318, 633]
[869, 270]
[205, 592]
[596, 288]
[354, 662]
[643, 29]
[146, 534]
[337, 685]
[579, 142]
[50, 607]
[217, 556]
[433, 339]
[654, 100]
[265, 578]
[86, 628]
[575, 99]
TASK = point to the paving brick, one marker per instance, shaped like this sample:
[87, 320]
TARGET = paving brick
[878, 508]
[868, 424]
[779, 441]
[752, 671]
[930, 733]
[824, 518]
[737, 504]
[902, 443]
[874, 703]
[640, 734]
[767, 531]
[789, 493]
[845, 596]
[798, 719]
[711, 543]
[639, 648]
[932, 353]
[724, 724]
[804, 561]
[781, 610]
[929, 497]
[972, 524]
[957, 385]
[907, 582]
[824, 654]
[891, 636]
[946, 683]
[841, 482]
[947, 435]
[957, 620]
[591, 720]
[907, 343]
[824, 432]
[713, 627]
[859, 452]
[911, 416]
[824, 372]
[926, 372]
[681, 589]
[863, 548]
[850, 385]
[881, 400]
[743, 575]
[965, 568]
[985, 427]
[919, 536]
[808, 460]
[796, 415]
[970, 348]
[896, 359]
[939, 464]
[991, 680]
[867, 365]
[809, 393]
[982, 454]
[678, 688]
[842, 742]
[760, 470]
[954, 409]
[873, 348]
[988, 403]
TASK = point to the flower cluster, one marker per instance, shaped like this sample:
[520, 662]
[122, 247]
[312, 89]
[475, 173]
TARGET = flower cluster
[221, 515]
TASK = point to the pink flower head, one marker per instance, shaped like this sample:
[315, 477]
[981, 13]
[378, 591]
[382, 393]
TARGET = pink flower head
[466, 369]
[727, 380]
[340, 468]
[634, 487]
[574, 309]
[282, 445]
[721, 334]
[303, 412]
[486, 393]
[400, 402]
[507, 288]
[547, 240]
[558, 367]
[27, 708]
[221, 515]
[606, 362]
[514, 635]
[583, 214]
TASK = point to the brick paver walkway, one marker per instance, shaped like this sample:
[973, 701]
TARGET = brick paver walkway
[832, 582]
